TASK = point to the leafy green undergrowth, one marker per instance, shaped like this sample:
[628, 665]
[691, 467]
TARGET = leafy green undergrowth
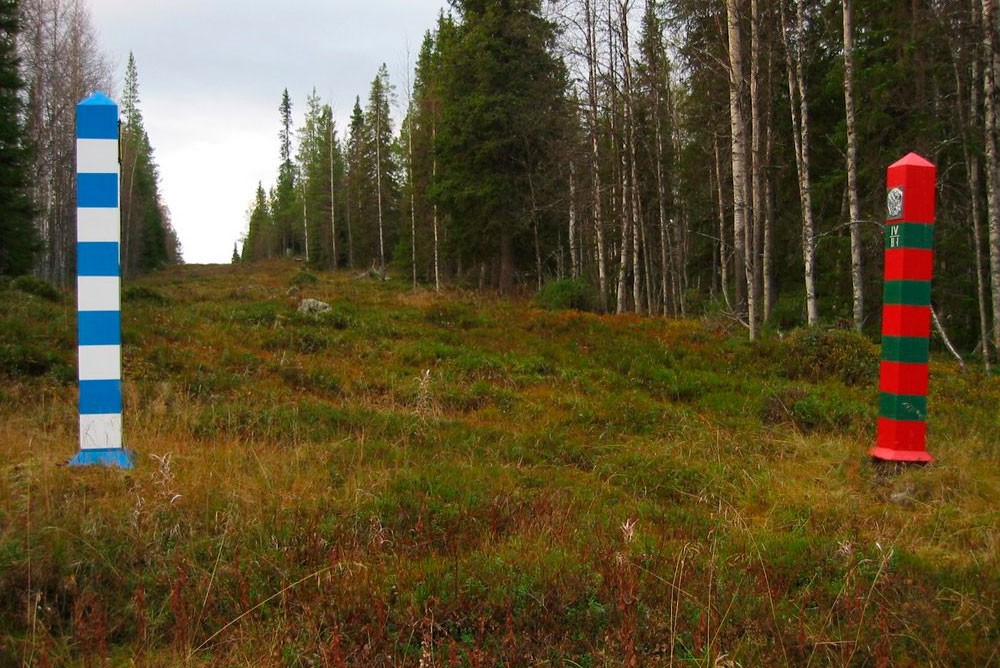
[452, 480]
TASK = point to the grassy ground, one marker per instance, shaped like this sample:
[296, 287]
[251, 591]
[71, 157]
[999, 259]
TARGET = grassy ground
[413, 479]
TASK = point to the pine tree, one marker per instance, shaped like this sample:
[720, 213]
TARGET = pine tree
[18, 239]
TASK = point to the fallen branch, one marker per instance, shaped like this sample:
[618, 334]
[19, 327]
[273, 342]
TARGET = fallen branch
[946, 340]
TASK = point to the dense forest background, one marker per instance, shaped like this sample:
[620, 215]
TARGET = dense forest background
[658, 157]
[662, 157]
[50, 60]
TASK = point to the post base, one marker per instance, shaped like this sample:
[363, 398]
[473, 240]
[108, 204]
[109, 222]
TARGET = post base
[119, 457]
[890, 455]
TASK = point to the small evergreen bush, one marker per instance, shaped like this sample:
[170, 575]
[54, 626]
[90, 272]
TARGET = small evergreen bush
[304, 278]
[37, 287]
[140, 293]
[567, 293]
[831, 354]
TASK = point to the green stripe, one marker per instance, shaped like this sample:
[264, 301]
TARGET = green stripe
[913, 349]
[902, 406]
[909, 235]
[908, 293]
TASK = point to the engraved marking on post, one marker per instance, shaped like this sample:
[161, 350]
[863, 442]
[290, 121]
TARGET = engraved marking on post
[894, 236]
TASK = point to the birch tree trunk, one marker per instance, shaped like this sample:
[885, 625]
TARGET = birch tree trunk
[667, 271]
[619, 159]
[590, 20]
[413, 207]
[755, 229]
[631, 157]
[437, 245]
[991, 56]
[378, 187]
[573, 243]
[723, 251]
[973, 175]
[768, 218]
[800, 134]
[333, 202]
[853, 202]
[739, 159]
[975, 213]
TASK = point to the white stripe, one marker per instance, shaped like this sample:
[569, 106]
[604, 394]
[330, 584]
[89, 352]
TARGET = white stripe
[98, 225]
[100, 362]
[98, 293]
[96, 156]
[99, 432]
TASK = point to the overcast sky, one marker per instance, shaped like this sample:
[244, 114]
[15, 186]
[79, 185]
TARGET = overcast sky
[211, 73]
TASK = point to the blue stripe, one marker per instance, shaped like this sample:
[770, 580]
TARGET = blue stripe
[99, 328]
[105, 457]
[97, 121]
[100, 397]
[97, 258]
[97, 191]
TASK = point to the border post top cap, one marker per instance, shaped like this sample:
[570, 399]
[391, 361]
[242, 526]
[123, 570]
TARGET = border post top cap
[912, 160]
[98, 98]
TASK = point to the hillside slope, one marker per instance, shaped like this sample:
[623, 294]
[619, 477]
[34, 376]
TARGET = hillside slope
[414, 479]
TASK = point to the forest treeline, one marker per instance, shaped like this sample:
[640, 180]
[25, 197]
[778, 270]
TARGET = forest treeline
[669, 157]
[50, 60]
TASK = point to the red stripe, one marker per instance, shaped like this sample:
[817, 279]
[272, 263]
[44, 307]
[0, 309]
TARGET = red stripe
[903, 378]
[901, 320]
[901, 436]
[909, 264]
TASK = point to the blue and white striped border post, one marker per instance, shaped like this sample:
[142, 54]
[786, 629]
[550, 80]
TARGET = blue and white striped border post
[98, 284]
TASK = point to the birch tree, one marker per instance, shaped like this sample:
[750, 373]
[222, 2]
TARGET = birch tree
[853, 199]
[61, 65]
[744, 272]
[800, 135]
[991, 64]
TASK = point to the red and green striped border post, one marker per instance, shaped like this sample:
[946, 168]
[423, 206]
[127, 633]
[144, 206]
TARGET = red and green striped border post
[906, 312]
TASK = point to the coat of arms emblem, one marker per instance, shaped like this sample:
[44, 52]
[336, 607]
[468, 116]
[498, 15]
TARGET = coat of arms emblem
[894, 203]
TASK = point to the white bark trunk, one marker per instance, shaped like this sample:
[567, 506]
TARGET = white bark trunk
[333, 207]
[595, 154]
[573, 244]
[853, 202]
[723, 250]
[755, 238]
[972, 168]
[739, 159]
[437, 263]
[990, 49]
[378, 187]
[800, 133]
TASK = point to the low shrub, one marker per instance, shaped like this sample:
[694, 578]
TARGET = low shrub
[831, 354]
[37, 287]
[568, 293]
[814, 411]
[304, 278]
[140, 293]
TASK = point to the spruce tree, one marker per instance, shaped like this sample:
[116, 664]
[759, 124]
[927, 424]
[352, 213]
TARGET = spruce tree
[503, 109]
[146, 234]
[382, 166]
[18, 237]
[260, 239]
[357, 207]
[286, 209]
